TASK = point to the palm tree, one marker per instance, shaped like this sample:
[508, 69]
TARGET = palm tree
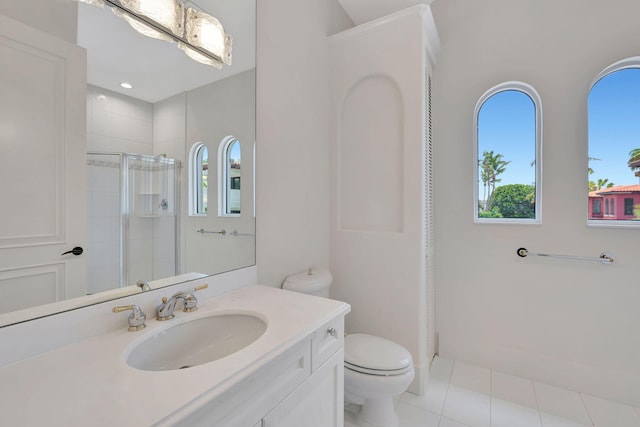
[602, 183]
[492, 166]
[634, 161]
[485, 175]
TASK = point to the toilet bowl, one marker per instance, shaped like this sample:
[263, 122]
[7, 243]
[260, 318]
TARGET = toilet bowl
[375, 369]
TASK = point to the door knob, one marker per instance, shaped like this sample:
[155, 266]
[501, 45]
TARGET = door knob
[76, 251]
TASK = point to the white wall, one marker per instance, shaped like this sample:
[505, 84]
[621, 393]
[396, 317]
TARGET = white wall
[169, 137]
[293, 135]
[211, 122]
[569, 323]
[57, 18]
[378, 247]
[118, 123]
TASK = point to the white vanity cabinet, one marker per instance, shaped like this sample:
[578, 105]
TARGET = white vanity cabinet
[318, 402]
[304, 386]
[291, 376]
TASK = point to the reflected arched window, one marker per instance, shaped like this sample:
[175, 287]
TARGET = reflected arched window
[507, 155]
[229, 155]
[198, 183]
[614, 145]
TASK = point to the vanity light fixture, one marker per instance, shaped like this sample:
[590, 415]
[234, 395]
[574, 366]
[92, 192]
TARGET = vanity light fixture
[199, 35]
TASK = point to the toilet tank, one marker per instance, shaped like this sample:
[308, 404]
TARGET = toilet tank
[313, 281]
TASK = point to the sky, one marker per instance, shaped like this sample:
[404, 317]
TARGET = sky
[506, 125]
[614, 125]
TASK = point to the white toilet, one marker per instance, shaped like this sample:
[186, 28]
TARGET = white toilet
[375, 369]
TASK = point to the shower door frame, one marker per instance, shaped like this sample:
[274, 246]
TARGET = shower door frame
[125, 208]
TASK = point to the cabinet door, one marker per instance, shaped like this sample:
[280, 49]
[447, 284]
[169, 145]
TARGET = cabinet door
[318, 402]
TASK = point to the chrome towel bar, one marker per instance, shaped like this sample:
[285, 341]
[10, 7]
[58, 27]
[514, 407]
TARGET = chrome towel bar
[224, 232]
[202, 231]
[605, 257]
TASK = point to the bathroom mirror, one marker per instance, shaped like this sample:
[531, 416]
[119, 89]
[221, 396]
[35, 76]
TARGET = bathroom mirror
[144, 134]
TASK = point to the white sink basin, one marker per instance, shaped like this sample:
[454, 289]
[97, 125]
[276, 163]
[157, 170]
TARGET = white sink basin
[196, 342]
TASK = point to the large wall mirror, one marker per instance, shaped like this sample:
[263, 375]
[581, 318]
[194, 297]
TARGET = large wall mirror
[103, 165]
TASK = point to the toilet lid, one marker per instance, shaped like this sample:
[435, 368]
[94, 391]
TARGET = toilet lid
[374, 355]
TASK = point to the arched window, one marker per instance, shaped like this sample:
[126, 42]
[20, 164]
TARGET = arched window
[198, 182]
[507, 155]
[230, 174]
[614, 145]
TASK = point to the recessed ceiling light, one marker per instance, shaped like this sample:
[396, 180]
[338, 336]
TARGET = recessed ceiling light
[126, 85]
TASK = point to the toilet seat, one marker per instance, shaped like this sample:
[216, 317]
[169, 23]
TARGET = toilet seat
[373, 355]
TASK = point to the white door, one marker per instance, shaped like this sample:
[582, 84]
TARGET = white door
[43, 167]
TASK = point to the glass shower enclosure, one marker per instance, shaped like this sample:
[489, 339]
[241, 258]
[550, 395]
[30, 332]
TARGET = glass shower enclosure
[132, 208]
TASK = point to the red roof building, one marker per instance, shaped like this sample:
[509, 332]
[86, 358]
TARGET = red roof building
[615, 203]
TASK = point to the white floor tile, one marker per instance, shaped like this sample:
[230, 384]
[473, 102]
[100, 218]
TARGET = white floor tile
[410, 416]
[513, 389]
[467, 407]
[462, 395]
[509, 414]
[436, 387]
[441, 369]
[549, 420]
[605, 413]
[561, 403]
[471, 377]
[445, 422]
[432, 401]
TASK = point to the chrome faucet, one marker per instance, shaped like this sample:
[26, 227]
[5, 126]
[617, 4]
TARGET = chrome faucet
[143, 285]
[137, 317]
[189, 302]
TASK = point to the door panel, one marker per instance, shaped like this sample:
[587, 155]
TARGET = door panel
[43, 173]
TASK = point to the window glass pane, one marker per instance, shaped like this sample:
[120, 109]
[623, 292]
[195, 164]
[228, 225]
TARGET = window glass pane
[233, 162]
[628, 206]
[202, 179]
[614, 145]
[506, 169]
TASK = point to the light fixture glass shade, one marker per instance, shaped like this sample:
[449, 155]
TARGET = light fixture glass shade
[141, 27]
[167, 13]
[199, 35]
[199, 57]
[205, 32]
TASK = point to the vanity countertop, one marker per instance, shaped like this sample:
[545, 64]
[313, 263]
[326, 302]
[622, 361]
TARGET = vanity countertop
[90, 383]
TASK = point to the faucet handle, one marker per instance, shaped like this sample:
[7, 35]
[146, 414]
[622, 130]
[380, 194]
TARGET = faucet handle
[137, 317]
[201, 287]
[190, 302]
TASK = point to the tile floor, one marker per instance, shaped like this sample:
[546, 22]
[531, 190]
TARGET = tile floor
[462, 395]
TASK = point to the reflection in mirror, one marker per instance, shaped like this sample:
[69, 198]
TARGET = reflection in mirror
[230, 167]
[125, 203]
[199, 179]
[507, 155]
[132, 219]
[614, 146]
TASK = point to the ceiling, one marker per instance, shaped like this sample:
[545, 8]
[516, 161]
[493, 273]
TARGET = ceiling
[361, 11]
[158, 69]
